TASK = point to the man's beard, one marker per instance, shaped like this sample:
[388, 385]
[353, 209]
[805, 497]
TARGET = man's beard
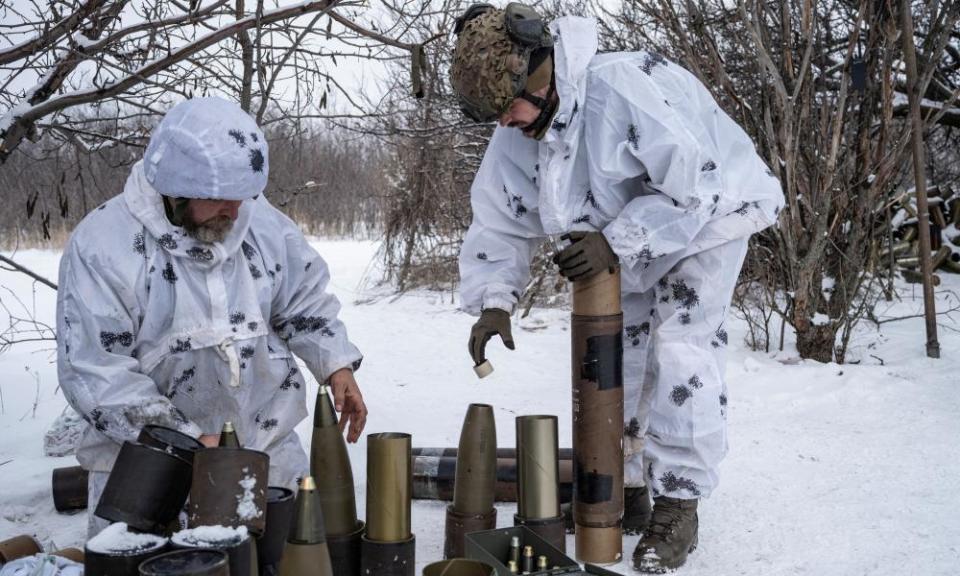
[213, 230]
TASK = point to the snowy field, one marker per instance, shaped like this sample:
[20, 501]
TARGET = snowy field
[833, 470]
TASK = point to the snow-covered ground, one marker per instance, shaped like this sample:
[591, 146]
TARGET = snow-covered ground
[833, 470]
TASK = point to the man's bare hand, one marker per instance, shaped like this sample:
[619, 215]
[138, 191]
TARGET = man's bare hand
[210, 440]
[348, 401]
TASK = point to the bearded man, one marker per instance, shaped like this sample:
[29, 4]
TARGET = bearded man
[183, 300]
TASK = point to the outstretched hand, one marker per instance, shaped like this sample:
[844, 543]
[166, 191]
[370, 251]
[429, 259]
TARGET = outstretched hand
[348, 401]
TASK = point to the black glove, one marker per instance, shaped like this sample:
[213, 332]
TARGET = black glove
[492, 321]
[588, 254]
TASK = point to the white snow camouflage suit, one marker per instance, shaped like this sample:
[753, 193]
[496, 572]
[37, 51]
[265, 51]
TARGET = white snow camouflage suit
[639, 150]
[158, 328]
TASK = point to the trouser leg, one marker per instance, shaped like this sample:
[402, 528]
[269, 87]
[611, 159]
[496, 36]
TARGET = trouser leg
[638, 321]
[686, 436]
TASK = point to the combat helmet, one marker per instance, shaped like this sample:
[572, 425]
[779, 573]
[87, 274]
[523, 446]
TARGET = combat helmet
[501, 55]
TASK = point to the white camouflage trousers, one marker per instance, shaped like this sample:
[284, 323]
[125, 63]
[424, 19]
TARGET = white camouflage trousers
[674, 357]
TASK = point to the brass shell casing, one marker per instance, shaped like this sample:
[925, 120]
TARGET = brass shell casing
[538, 467]
[389, 487]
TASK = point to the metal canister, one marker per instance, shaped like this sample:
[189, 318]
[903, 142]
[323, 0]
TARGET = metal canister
[170, 440]
[234, 541]
[70, 488]
[201, 562]
[118, 552]
[229, 488]
[147, 488]
[280, 508]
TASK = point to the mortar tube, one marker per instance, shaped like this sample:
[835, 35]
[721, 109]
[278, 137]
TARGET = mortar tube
[389, 487]
[331, 469]
[597, 382]
[502, 453]
[433, 479]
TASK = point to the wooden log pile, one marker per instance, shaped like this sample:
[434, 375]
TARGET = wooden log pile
[902, 241]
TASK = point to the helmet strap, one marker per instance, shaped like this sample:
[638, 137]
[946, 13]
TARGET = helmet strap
[548, 107]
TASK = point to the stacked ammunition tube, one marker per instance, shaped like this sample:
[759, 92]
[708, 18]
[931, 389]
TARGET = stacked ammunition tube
[476, 475]
[330, 467]
[597, 378]
[538, 479]
[388, 545]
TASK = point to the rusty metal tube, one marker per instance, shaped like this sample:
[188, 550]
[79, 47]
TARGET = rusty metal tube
[389, 487]
[597, 379]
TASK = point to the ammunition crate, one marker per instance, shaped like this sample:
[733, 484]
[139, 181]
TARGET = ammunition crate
[493, 548]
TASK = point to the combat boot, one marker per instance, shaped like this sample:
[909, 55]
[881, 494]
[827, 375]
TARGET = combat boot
[671, 536]
[636, 510]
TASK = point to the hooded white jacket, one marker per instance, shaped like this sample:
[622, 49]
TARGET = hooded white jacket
[638, 149]
[156, 327]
